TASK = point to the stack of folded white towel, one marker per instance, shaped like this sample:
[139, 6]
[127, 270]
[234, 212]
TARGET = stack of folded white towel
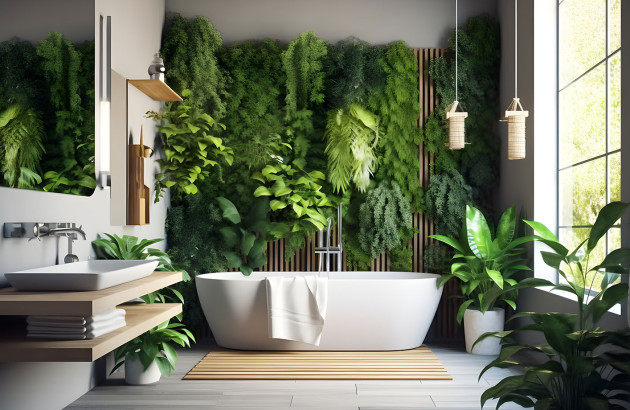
[75, 327]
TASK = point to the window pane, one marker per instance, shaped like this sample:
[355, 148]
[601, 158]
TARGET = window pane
[614, 177]
[614, 25]
[582, 36]
[582, 193]
[614, 102]
[582, 119]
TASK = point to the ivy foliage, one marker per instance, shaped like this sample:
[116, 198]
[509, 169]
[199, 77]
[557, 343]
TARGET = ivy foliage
[189, 48]
[353, 73]
[352, 135]
[21, 148]
[255, 101]
[303, 64]
[398, 107]
[478, 76]
[447, 197]
[384, 219]
[189, 148]
[297, 198]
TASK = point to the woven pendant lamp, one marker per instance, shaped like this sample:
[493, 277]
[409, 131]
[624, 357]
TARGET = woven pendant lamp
[515, 114]
[455, 117]
[456, 126]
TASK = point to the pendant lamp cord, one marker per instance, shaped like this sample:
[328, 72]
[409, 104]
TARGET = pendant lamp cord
[456, 50]
[515, 47]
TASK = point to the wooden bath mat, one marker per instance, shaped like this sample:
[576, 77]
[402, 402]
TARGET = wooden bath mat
[225, 364]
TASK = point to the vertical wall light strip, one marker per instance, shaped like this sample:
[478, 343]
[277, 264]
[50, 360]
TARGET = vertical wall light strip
[105, 100]
[456, 124]
[515, 114]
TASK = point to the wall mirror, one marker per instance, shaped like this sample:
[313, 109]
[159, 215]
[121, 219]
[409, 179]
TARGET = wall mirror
[47, 95]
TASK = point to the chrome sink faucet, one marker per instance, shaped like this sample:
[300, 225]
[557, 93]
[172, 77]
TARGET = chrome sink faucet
[36, 230]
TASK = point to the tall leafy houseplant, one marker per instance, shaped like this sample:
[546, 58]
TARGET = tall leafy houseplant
[580, 365]
[190, 149]
[245, 237]
[486, 262]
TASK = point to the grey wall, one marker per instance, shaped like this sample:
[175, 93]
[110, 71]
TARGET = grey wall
[421, 23]
[518, 178]
[136, 33]
[32, 19]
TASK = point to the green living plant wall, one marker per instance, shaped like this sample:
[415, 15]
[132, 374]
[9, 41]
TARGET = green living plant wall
[47, 115]
[467, 175]
[313, 124]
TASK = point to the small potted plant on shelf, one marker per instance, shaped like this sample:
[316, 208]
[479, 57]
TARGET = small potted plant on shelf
[486, 264]
[579, 365]
[150, 355]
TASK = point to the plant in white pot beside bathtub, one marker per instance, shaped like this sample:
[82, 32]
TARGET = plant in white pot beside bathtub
[486, 264]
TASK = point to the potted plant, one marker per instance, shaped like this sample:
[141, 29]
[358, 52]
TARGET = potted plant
[486, 264]
[579, 365]
[150, 355]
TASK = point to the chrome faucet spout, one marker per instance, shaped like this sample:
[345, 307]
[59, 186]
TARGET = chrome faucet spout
[65, 231]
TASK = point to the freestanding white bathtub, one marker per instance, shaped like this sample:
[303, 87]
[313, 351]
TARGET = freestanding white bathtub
[366, 310]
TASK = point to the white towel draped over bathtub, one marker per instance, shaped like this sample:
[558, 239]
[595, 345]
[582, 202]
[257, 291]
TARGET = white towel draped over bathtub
[297, 307]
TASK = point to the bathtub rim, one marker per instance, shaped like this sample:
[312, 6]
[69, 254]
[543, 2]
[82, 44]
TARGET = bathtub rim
[333, 276]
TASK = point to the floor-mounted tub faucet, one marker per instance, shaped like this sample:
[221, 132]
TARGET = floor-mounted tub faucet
[324, 252]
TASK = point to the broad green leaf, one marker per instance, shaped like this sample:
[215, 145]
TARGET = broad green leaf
[275, 205]
[614, 258]
[552, 259]
[506, 227]
[247, 242]
[478, 233]
[317, 174]
[542, 230]
[449, 241]
[462, 309]
[606, 218]
[496, 277]
[234, 260]
[283, 191]
[262, 191]
[246, 270]
[229, 210]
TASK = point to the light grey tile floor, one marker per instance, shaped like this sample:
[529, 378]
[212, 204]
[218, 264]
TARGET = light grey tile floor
[463, 392]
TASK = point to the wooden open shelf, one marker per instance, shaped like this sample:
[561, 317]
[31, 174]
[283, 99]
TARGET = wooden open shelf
[15, 347]
[156, 89]
[13, 302]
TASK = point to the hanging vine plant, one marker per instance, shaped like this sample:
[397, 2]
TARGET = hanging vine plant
[189, 48]
[352, 136]
[398, 108]
[303, 64]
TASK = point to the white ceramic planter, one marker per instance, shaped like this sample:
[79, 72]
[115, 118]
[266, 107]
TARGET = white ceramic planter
[476, 324]
[136, 375]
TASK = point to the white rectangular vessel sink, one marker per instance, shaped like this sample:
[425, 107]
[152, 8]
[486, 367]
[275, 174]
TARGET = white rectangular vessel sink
[81, 276]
